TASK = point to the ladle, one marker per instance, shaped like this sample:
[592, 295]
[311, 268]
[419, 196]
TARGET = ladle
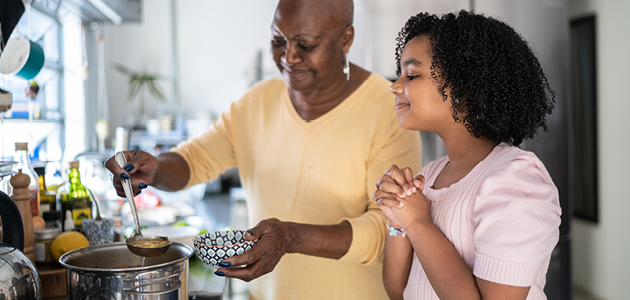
[134, 248]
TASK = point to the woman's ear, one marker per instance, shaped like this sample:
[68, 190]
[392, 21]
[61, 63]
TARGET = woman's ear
[347, 38]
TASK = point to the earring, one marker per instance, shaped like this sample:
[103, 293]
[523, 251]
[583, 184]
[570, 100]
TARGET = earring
[346, 67]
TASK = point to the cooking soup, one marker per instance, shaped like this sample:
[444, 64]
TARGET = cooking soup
[150, 243]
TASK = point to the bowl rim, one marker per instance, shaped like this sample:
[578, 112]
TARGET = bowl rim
[227, 245]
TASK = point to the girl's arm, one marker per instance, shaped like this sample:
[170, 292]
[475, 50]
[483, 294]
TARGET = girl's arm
[397, 265]
[447, 271]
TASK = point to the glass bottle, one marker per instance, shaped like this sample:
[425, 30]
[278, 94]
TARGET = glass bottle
[24, 164]
[79, 200]
[47, 199]
[62, 202]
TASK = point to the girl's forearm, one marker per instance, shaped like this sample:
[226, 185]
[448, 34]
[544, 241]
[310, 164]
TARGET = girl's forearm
[397, 265]
[444, 267]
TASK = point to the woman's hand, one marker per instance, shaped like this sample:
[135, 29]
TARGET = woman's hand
[393, 187]
[141, 168]
[273, 242]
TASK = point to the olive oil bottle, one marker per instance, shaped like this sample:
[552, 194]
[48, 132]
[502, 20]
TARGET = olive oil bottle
[79, 198]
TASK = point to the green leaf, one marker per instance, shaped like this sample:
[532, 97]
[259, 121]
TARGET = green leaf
[122, 69]
[155, 90]
[134, 89]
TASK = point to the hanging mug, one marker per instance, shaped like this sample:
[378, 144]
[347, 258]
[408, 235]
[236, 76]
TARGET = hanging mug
[21, 57]
[6, 100]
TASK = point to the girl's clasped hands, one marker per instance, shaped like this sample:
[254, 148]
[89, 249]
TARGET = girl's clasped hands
[399, 195]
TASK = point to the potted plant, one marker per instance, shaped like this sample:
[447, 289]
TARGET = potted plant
[138, 82]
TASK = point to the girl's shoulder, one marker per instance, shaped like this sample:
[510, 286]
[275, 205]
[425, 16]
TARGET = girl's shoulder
[516, 171]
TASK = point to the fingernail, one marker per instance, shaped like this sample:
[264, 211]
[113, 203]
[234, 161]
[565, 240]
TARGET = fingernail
[401, 204]
[123, 175]
[250, 232]
[225, 264]
[142, 185]
[219, 273]
[138, 193]
[129, 167]
[403, 195]
[413, 189]
[409, 192]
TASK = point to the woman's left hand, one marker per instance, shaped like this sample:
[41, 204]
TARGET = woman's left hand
[273, 242]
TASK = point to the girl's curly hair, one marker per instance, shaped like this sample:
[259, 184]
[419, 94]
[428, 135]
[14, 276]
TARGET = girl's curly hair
[498, 89]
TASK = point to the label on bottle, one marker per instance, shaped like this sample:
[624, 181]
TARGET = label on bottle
[40, 251]
[34, 200]
[81, 209]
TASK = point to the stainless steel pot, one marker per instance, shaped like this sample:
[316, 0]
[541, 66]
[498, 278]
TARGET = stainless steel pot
[111, 271]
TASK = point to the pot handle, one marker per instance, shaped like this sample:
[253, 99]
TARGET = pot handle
[176, 284]
[12, 226]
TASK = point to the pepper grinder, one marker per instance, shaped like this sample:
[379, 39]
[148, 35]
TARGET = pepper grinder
[22, 198]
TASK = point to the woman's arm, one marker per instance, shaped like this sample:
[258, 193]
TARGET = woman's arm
[397, 265]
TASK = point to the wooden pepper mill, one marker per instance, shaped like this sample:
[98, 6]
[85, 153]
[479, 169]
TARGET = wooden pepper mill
[22, 198]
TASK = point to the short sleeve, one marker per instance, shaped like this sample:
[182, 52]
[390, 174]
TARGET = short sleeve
[516, 222]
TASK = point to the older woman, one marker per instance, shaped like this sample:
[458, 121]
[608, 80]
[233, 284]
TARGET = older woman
[309, 149]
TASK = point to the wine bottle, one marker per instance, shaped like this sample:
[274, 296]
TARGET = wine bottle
[79, 199]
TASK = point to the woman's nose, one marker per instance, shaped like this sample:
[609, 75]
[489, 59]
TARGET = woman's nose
[290, 55]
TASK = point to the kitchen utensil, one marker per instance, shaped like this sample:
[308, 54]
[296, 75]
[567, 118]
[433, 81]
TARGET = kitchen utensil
[132, 242]
[214, 247]
[179, 234]
[98, 209]
[21, 57]
[18, 277]
[110, 271]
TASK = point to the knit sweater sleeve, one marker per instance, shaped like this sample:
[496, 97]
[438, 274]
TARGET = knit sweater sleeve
[516, 218]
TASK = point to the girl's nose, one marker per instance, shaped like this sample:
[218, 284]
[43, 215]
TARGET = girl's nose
[396, 88]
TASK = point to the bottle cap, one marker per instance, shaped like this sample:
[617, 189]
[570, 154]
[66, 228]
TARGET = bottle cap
[69, 223]
[21, 146]
[46, 233]
[74, 164]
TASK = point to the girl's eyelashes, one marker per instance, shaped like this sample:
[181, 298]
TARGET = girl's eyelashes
[411, 77]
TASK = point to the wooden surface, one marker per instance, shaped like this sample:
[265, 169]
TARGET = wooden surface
[22, 198]
[53, 278]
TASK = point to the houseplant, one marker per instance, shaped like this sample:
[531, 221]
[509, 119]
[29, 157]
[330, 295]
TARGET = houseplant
[138, 82]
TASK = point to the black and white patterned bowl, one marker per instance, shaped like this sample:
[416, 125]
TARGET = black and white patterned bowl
[214, 247]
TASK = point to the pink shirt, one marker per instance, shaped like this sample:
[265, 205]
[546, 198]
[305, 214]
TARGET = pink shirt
[503, 218]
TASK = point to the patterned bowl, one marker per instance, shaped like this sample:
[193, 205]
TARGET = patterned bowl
[214, 247]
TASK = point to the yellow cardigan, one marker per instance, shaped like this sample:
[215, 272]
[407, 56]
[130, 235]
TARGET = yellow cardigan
[318, 172]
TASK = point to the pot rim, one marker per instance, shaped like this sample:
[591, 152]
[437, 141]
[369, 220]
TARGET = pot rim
[68, 255]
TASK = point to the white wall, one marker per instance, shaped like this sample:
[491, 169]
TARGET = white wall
[217, 43]
[601, 252]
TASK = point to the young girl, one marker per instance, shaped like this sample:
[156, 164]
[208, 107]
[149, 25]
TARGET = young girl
[482, 221]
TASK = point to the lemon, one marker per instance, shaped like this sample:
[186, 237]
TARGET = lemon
[67, 241]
